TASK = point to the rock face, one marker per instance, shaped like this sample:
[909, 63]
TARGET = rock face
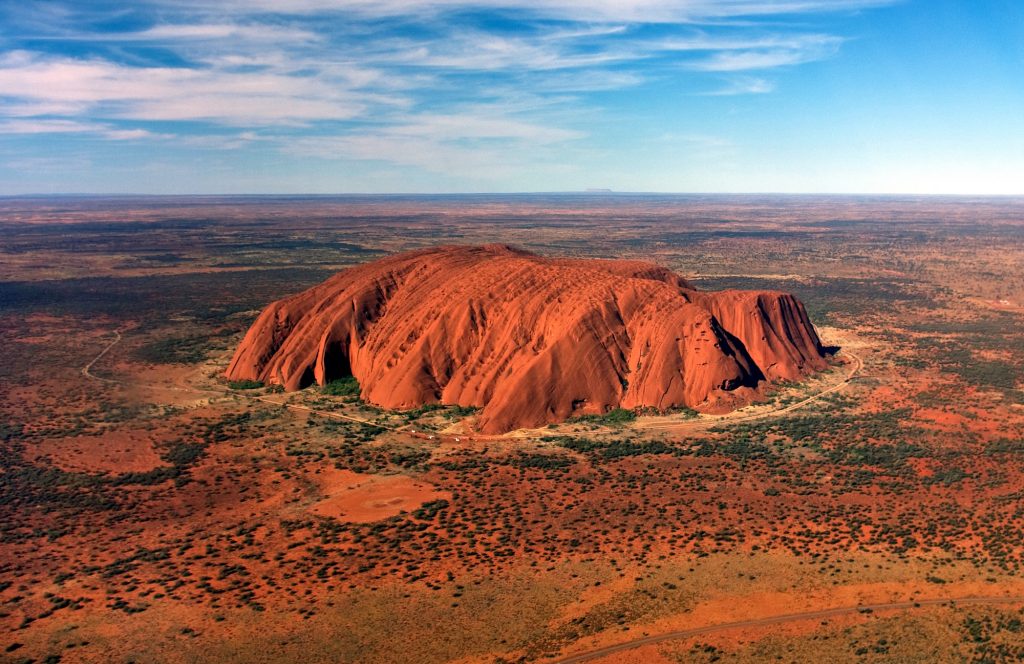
[529, 340]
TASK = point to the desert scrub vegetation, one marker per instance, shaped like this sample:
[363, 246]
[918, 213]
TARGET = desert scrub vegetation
[685, 412]
[445, 410]
[1005, 446]
[607, 450]
[245, 384]
[427, 511]
[186, 349]
[347, 386]
[615, 416]
[995, 636]
[886, 426]
[26, 483]
[838, 300]
[542, 461]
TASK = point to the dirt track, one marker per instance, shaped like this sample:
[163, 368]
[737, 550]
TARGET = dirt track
[779, 619]
[679, 425]
[87, 369]
[858, 365]
[87, 372]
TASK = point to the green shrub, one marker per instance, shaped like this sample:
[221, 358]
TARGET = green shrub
[184, 454]
[1005, 446]
[429, 510]
[541, 461]
[175, 350]
[613, 416]
[244, 384]
[685, 411]
[342, 387]
[461, 411]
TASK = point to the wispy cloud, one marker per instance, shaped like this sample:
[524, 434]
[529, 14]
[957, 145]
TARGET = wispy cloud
[742, 85]
[420, 83]
[57, 126]
[798, 51]
[113, 90]
[479, 144]
[639, 11]
[46, 164]
[46, 127]
[178, 33]
[216, 31]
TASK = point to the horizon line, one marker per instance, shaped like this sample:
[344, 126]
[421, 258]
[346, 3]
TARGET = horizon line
[571, 192]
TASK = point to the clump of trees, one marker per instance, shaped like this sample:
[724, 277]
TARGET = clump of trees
[347, 386]
[612, 417]
[245, 384]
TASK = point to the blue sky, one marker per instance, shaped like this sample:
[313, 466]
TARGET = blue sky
[338, 96]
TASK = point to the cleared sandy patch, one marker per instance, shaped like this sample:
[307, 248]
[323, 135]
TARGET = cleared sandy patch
[113, 452]
[37, 339]
[359, 498]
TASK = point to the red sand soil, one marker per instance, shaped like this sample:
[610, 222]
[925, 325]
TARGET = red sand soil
[530, 340]
[113, 451]
[359, 498]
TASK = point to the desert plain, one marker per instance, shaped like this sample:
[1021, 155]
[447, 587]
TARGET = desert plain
[153, 510]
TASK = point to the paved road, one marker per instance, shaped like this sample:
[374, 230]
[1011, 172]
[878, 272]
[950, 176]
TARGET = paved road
[780, 619]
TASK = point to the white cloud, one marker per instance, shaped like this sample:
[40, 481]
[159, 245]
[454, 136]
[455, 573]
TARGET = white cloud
[733, 41]
[47, 126]
[479, 51]
[483, 52]
[425, 153]
[216, 31]
[58, 126]
[449, 96]
[745, 85]
[761, 59]
[453, 127]
[222, 141]
[473, 146]
[175, 33]
[47, 164]
[633, 11]
[131, 134]
[586, 81]
[166, 93]
[702, 142]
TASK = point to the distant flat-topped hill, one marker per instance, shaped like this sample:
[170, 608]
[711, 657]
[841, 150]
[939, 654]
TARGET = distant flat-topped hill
[527, 339]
